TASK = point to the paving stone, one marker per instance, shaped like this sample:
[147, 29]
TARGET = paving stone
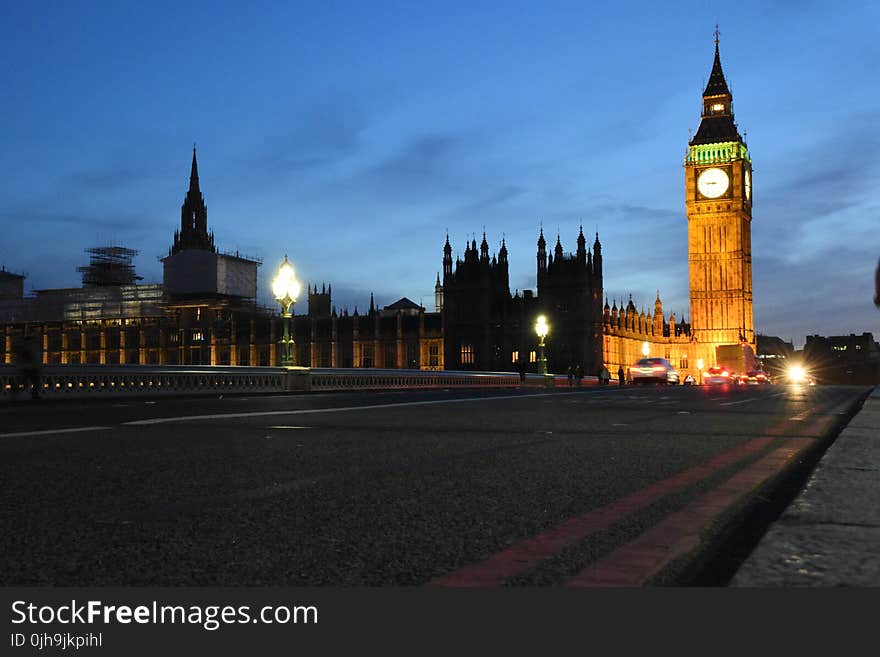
[813, 555]
[855, 448]
[866, 418]
[838, 495]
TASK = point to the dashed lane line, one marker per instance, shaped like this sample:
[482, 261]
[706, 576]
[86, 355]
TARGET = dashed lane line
[49, 432]
[338, 409]
[740, 401]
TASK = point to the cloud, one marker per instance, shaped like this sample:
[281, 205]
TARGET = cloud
[321, 135]
[424, 160]
[817, 184]
[102, 179]
[117, 223]
[832, 293]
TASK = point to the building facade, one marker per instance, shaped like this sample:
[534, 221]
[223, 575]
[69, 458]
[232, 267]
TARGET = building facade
[842, 359]
[486, 328]
[203, 313]
[205, 310]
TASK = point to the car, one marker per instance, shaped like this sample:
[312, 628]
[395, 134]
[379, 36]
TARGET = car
[757, 377]
[654, 370]
[715, 376]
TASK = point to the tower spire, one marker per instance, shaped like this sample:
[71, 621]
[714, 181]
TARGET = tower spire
[194, 173]
[581, 246]
[717, 85]
[193, 233]
[717, 124]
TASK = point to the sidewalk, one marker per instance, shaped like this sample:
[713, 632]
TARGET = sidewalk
[829, 535]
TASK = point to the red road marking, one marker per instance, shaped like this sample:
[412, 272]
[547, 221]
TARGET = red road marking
[526, 554]
[679, 534]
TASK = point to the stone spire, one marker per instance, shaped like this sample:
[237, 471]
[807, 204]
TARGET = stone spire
[717, 85]
[193, 233]
[717, 124]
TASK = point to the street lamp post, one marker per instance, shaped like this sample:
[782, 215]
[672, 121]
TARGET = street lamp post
[646, 349]
[700, 368]
[286, 289]
[542, 329]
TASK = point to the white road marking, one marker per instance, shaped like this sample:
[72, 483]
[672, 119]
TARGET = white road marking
[49, 432]
[288, 426]
[740, 401]
[341, 409]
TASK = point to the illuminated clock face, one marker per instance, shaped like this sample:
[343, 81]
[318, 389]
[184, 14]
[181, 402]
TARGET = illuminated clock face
[713, 182]
[748, 185]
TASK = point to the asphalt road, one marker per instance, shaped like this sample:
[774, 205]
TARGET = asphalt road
[406, 488]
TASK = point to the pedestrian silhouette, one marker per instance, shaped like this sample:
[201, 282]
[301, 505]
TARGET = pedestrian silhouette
[620, 375]
[28, 357]
[877, 285]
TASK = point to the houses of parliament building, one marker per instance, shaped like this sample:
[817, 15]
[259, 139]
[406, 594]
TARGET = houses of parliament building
[205, 310]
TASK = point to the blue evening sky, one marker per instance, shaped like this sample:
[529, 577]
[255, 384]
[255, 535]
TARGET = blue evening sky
[353, 135]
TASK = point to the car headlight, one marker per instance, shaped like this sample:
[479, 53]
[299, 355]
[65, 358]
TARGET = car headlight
[797, 374]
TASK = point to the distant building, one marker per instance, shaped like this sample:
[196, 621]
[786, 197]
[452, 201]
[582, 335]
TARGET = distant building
[11, 285]
[843, 359]
[773, 354]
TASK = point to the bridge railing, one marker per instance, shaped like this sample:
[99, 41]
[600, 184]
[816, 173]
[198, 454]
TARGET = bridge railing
[126, 380]
[374, 378]
[57, 381]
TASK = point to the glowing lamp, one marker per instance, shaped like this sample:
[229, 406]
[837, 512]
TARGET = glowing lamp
[542, 329]
[286, 289]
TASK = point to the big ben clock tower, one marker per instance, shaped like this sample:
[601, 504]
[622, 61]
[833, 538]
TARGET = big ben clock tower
[718, 189]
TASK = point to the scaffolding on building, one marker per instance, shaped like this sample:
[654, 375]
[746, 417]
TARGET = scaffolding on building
[109, 266]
